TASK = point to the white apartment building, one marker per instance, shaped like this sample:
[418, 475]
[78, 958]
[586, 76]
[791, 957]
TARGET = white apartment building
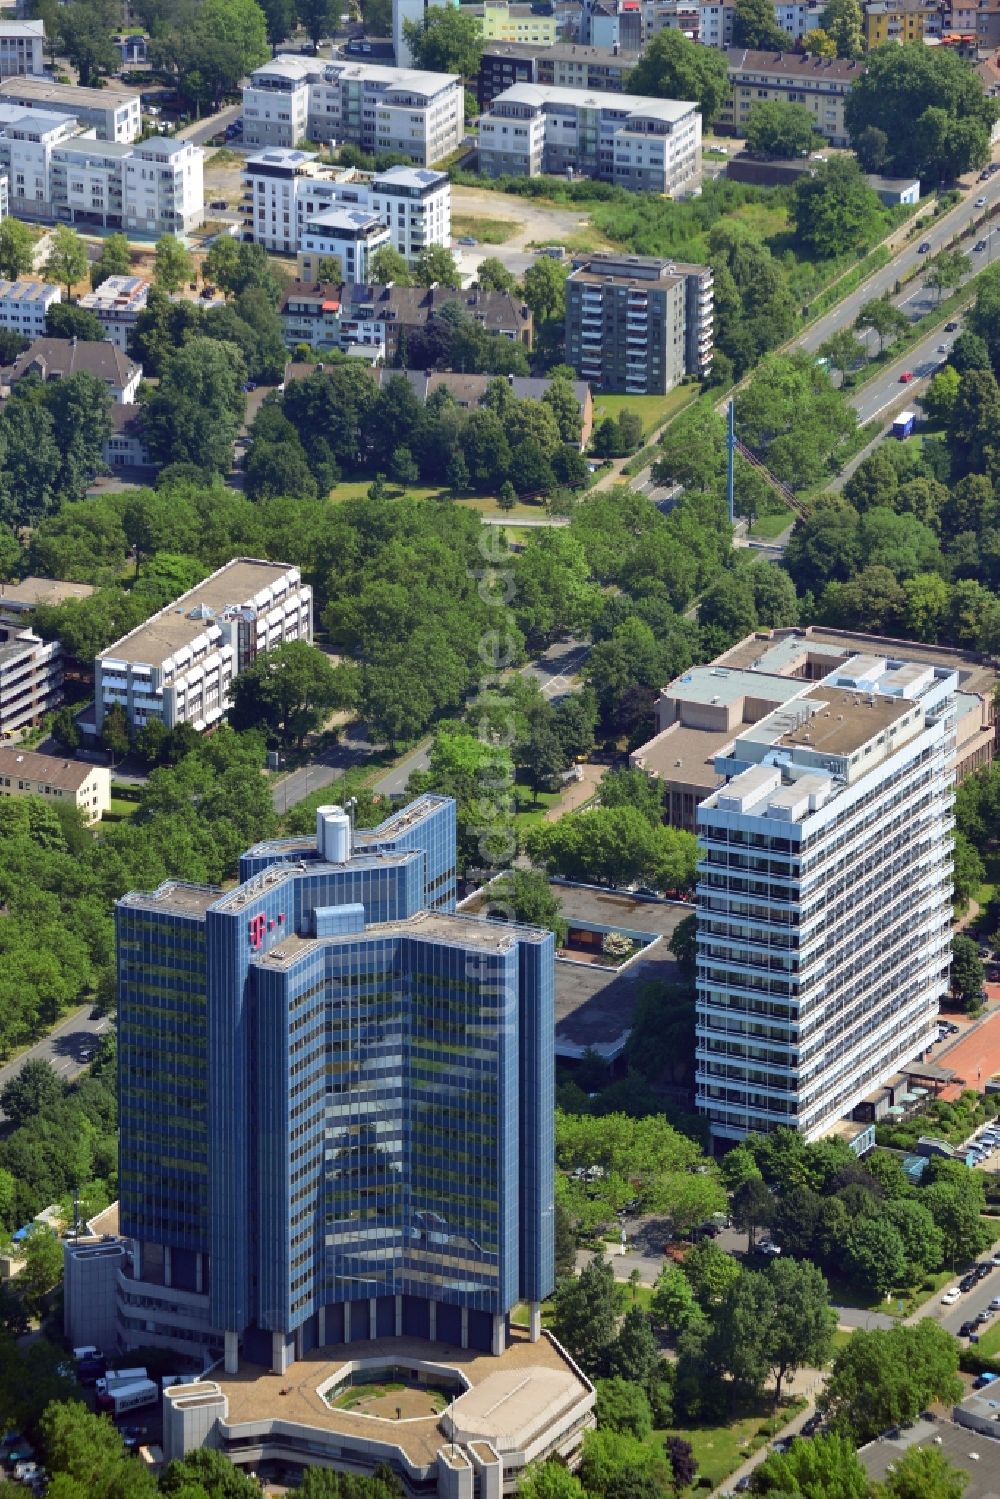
[26, 773]
[648, 145]
[419, 114]
[180, 665]
[824, 897]
[114, 115]
[164, 187]
[60, 358]
[283, 189]
[22, 48]
[117, 303]
[31, 676]
[24, 306]
[352, 234]
[57, 172]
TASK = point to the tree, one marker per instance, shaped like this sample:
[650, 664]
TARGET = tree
[930, 106]
[549, 1480]
[827, 1467]
[65, 729]
[289, 691]
[947, 270]
[842, 351]
[801, 1333]
[446, 41]
[114, 732]
[875, 1255]
[711, 1272]
[885, 320]
[924, 1473]
[388, 265]
[775, 128]
[754, 25]
[31, 1091]
[195, 413]
[672, 1304]
[968, 352]
[886, 1378]
[612, 1459]
[975, 420]
[842, 22]
[940, 396]
[545, 288]
[529, 898]
[623, 1406]
[85, 29]
[17, 249]
[634, 1355]
[43, 1262]
[753, 1208]
[115, 260]
[872, 149]
[967, 972]
[586, 1311]
[674, 67]
[174, 266]
[493, 275]
[435, 264]
[66, 262]
[683, 1464]
[68, 320]
[834, 209]
[819, 43]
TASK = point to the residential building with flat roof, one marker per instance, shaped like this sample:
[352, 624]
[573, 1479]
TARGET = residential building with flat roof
[19, 598]
[647, 145]
[824, 897]
[31, 678]
[180, 665]
[359, 1072]
[420, 114]
[562, 64]
[353, 235]
[506, 22]
[25, 773]
[638, 325]
[114, 114]
[24, 306]
[164, 187]
[22, 47]
[117, 303]
[58, 358]
[820, 84]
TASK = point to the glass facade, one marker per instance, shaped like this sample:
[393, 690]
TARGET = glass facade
[334, 1091]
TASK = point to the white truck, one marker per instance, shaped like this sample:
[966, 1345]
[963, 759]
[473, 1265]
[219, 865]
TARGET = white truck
[114, 1377]
[121, 1398]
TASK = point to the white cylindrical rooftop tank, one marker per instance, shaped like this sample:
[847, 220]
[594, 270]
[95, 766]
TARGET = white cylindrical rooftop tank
[333, 834]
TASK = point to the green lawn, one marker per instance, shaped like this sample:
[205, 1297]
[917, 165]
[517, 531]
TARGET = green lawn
[989, 1342]
[531, 809]
[840, 1340]
[486, 504]
[487, 231]
[721, 1449]
[767, 527]
[119, 809]
[654, 410]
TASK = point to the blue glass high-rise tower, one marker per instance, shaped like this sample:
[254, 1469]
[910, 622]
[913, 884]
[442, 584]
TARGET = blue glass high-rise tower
[336, 1101]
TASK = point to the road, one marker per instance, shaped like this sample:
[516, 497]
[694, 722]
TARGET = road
[936, 235]
[351, 750]
[61, 1048]
[200, 131]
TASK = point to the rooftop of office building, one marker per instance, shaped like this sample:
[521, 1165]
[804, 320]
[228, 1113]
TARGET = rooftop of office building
[841, 722]
[425, 926]
[237, 585]
[65, 97]
[520, 1392]
[31, 591]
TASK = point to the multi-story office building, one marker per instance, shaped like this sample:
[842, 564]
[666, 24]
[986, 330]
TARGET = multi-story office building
[564, 65]
[336, 317]
[824, 898]
[56, 172]
[419, 114]
[283, 189]
[336, 1102]
[180, 665]
[647, 145]
[700, 713]
[86, 787]
[31, 677]
[57, 358]
[820, 84]
[117, 303]
[24, 306]
[114, 115]
[638, 325]
[22, 47]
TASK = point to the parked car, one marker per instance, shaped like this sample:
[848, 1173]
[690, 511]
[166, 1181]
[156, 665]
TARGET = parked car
[468, 240]
[966, 1328]
[979, 247]
[768, 1247]
[967, 1283]
[950, 327]
[950, 1296]
[980, 202]
[906, 377]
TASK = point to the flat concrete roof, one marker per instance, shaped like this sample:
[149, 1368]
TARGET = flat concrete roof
[954, 1442]
[173, 895]
[628, 104]
[426, 926]
[173, 627]
[694, 749]
[66, 97]
[254, 1394]
[31, 591]
[847, 720]
[975, 673]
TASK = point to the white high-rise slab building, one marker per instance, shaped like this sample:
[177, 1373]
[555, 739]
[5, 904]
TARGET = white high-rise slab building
[824, 898]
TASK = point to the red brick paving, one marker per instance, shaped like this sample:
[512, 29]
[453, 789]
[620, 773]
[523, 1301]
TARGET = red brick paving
[975, 1056]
